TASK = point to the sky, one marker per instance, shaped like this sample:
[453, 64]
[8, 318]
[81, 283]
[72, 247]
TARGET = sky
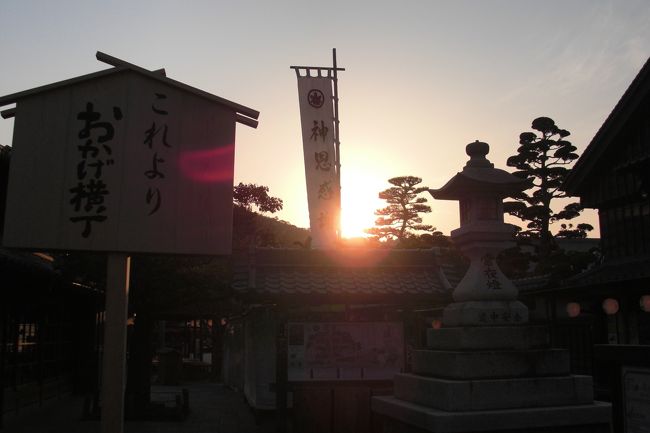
[422, 78]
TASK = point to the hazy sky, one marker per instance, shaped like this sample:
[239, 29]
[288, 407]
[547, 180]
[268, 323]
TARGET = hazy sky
[422, 79]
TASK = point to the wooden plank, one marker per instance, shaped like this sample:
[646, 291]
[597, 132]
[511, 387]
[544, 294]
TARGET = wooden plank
[8, 113]
[114, 61]
[15, 97]
[312, 409]
[351, 409]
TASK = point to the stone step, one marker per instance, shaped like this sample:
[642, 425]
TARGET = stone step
[488, 338]
[593, 418]
[491, 364]
[490, 394]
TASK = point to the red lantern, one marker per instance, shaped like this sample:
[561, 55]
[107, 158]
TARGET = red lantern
[644, 303]
[436, 324]
[610, 306]
[573, 309]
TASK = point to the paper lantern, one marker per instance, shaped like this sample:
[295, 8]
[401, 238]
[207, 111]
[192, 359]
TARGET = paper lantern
[610, 306]
[644, 303]
[436, 324]
[573, 309]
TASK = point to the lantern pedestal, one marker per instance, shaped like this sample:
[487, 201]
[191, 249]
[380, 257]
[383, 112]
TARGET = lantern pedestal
[482, 313]
[486, 370]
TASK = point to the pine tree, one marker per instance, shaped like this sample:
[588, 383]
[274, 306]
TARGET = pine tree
[401, 217]
[544, 160]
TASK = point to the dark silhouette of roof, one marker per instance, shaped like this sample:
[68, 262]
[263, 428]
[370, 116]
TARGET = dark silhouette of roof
[627, 106]
[245, 115]
[343, 275]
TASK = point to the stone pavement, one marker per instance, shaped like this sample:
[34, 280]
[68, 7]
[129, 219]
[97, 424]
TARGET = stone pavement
[213, 409]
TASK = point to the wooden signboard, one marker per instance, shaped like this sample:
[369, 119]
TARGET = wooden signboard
[121, 162]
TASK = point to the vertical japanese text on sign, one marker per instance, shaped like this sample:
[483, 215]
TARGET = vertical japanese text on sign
[88, 195]
[317, 119]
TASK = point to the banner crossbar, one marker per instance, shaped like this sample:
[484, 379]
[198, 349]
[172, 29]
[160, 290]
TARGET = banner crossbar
[307, 69]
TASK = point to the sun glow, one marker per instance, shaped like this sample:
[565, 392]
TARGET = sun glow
[358, 203]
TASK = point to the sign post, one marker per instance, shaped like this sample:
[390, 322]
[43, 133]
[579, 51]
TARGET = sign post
[114, 357]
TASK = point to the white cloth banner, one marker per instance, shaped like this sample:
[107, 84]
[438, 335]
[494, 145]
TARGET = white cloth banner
[317, 119]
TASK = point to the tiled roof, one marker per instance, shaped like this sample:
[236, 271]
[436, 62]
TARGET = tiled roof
[344, 272]
[622, 274]
[613, 272]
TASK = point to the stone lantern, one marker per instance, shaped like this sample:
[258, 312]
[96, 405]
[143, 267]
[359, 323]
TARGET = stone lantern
[487, 370]
[484, 297]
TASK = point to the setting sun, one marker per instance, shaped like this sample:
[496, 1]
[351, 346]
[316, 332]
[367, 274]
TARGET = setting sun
[359, 202]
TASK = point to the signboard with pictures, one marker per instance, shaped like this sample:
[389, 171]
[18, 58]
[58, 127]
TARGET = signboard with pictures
[345, 350]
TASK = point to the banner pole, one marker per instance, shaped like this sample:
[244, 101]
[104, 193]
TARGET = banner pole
[337, 140]
[114, 358]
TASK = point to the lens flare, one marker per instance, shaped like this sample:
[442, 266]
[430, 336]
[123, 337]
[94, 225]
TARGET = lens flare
[215, 165]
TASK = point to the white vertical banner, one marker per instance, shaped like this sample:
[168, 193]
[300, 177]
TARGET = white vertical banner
[317, 120]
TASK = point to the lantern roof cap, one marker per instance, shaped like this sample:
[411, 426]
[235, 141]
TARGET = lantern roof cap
[480, 176]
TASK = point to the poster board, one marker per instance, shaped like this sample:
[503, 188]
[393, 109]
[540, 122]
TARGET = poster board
[121, 163]
[636, 399]
[345, 350]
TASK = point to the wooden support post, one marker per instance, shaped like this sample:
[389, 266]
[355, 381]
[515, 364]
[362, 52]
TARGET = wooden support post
[3, 353]
[281, 374]
[337, 139]
[217, 345]
[114, 361]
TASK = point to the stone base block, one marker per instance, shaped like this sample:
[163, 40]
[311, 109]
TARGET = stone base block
[488, 338]
[490, 364]
[404, 417]
[492, 394]
[485, 313]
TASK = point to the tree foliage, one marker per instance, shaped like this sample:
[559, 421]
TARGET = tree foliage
[248, 200]
[251, 196]
[401, 218]
[544, 159]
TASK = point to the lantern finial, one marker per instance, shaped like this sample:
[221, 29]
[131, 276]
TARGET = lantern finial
[477, 152]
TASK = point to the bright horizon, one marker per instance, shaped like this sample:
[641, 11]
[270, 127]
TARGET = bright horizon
[422, 79]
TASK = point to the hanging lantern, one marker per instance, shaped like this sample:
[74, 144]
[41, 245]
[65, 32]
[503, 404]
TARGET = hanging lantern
[610, 306]
[436, 324]
[644, 303]
[573, 309]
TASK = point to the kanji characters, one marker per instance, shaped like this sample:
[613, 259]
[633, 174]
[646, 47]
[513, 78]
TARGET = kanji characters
[88, 196]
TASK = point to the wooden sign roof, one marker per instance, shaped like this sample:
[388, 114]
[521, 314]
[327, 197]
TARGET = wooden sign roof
[245, 115]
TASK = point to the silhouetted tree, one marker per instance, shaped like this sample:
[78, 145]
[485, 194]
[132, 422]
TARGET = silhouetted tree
[249, 200]
[544, 160]
[570, 232]
[251, 196]
[433, 238]
[401, 217]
